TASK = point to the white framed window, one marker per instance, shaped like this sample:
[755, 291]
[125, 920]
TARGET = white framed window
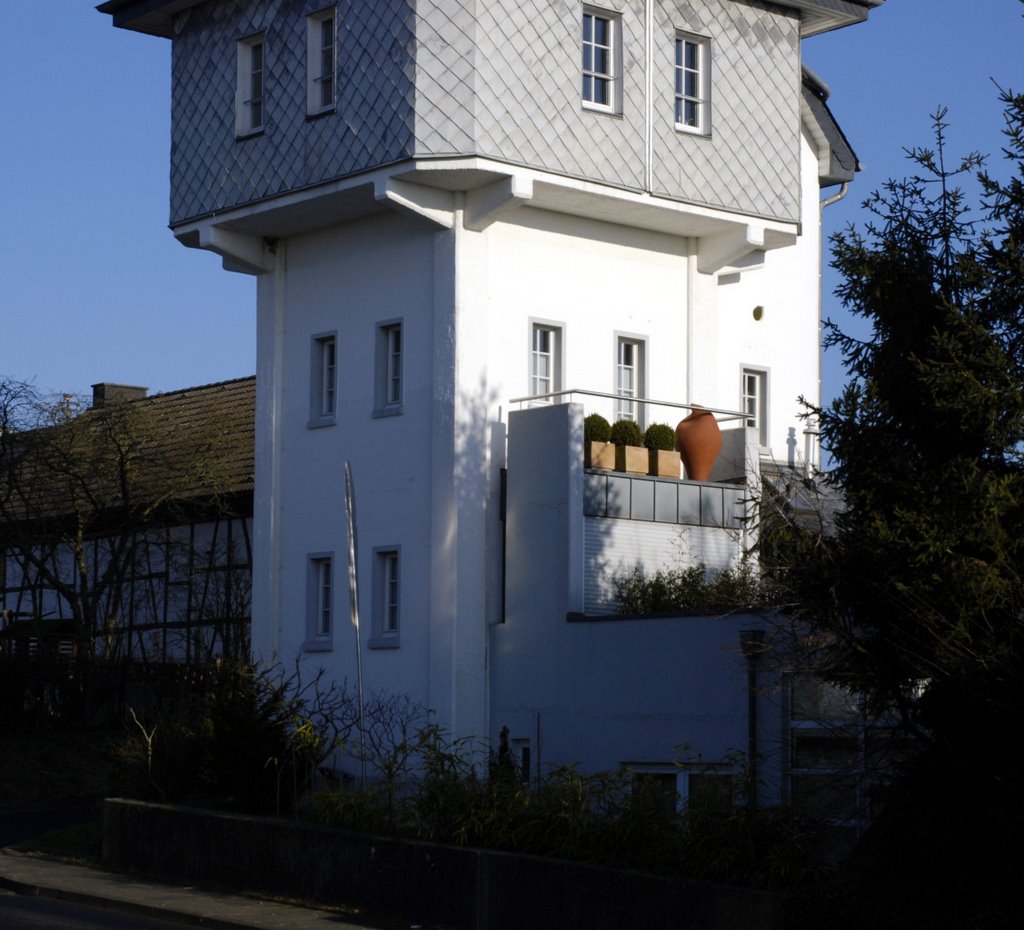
[693, 83]
[754, 401]
[323, 382]
[602, 54]
[319, 602]
[387, 587]
[321, 61]
[388, 388]
[545, 360]
[250, 111]
[630, 377]
[830, 743]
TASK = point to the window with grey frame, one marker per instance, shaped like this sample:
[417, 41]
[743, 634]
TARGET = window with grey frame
[389, 386]
[387, 587]
[323, 387]
[754, 401]
[320, 602]
[321, 61]
[545, 360]
[629, 378]
[249, 90]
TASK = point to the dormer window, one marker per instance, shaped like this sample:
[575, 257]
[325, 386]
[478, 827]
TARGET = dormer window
[249, 111]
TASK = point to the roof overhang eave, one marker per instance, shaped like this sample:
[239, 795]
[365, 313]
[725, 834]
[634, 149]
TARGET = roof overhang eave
[818, 16]
[156, 17]
[153, 17]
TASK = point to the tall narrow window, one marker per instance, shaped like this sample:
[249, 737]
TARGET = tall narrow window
[545, 360]
[323, 399]
[320, 62]
[388, 388]
[323, 597]
[629, 379]
[390, 572]
[249, 108]
[320, 602]
[600, 46]
[692, 84]
[754, 401]
[393, 364]
[387, 585]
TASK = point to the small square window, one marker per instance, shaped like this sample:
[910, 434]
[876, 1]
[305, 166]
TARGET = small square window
[693, 84]
[321, 62]
[388, 388]
[601, 49]
[249, 87]
[320, 602]
[386, 597]
[323, 382]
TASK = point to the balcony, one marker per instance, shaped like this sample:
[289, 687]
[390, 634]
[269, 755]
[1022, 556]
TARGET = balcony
[573, 529]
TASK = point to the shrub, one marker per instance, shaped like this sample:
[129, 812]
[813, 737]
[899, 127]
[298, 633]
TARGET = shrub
[596, 428]
[660, 436]
[254, 738]
[694, 590]
[627, 433]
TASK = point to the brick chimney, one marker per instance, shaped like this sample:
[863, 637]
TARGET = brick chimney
[108, 393]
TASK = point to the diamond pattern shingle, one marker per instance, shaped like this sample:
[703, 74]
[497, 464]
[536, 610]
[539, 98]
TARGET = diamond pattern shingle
[751, 159]
[494, 78]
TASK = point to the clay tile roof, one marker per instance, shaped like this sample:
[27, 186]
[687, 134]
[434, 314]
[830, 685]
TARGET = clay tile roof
[219, 417]
[190, 446]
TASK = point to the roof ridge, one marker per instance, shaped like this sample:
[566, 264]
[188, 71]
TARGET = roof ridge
[196, 387]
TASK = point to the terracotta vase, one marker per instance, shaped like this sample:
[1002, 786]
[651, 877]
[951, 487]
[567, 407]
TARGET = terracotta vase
[699, 440]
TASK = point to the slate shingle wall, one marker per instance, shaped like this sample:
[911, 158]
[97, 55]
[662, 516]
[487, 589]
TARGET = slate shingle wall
[372, 126]
[496, 78]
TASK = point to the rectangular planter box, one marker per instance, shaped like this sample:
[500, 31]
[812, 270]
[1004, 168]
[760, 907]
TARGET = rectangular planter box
[663, 464]
[599, 455]
[631, 459]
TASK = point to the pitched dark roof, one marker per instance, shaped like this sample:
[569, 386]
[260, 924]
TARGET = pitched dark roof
[189, 447]
[221, 416]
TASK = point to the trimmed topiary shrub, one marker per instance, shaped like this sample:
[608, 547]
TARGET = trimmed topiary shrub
[660, 436]
[627, 433]
[596, 428]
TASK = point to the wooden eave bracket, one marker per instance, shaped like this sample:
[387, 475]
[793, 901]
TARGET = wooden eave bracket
[436, 206]
[488, 204]
[733, 250]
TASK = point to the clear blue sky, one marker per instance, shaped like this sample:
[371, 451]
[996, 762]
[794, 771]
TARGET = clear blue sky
[95, 288]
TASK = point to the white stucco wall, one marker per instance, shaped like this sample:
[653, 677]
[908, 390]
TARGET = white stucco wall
[786, 340]
[345, 280]
[597, 281]
[428, 481]
[606, 691]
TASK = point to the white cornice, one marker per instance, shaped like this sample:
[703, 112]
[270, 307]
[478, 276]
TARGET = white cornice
[424, 188]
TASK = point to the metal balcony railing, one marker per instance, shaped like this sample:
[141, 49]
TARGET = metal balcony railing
[719, 412]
